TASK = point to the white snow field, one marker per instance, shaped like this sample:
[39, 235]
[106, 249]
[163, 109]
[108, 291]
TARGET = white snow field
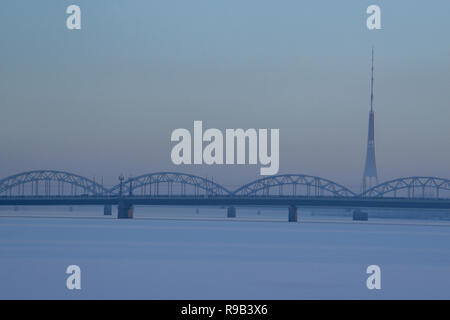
[222, 259]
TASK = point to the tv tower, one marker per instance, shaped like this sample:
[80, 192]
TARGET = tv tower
[370, 177]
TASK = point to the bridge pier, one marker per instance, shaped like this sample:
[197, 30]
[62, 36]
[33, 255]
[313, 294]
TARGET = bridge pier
[231, 212]
[107, 210]
[359, 215]
[124, 210]
[293, 214]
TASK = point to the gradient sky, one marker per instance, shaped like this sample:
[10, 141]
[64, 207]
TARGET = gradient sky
[104, 100]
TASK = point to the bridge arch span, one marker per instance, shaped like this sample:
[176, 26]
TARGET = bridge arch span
[294, 185]
[411, 187]
[47, 183]
[170, 184]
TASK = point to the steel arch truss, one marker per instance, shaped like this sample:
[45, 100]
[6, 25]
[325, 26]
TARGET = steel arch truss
[411, 187]
[49, 182]
[170, 184]
[294, 185]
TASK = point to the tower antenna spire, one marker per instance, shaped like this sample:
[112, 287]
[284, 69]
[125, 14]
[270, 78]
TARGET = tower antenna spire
[371, 84]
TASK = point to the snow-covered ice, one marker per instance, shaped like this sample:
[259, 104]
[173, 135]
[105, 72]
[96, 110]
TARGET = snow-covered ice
[200, 259]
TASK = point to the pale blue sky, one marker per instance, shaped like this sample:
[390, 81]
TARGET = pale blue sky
[104, 100]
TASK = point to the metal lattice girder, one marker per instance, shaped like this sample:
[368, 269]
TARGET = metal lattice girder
[170, 178]
[314, 186]
[48, 176]
[284, 185]
[412, 184]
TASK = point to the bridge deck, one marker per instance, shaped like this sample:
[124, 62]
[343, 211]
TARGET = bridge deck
[335, 202]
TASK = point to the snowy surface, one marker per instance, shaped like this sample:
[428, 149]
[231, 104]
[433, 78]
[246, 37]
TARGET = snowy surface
[222, 259]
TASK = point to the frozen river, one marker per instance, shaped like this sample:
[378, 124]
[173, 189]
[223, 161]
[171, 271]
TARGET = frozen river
[220, 259]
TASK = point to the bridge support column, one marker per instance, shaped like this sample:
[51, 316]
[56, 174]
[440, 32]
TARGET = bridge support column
[125, 210]
[107, 210]
[359, 215]
[231, 212]
[293, 214]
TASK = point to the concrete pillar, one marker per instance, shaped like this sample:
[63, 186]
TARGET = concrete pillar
[231, 212]
[359, 215]
[125, 210]
[293, 214]
[107, 210]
